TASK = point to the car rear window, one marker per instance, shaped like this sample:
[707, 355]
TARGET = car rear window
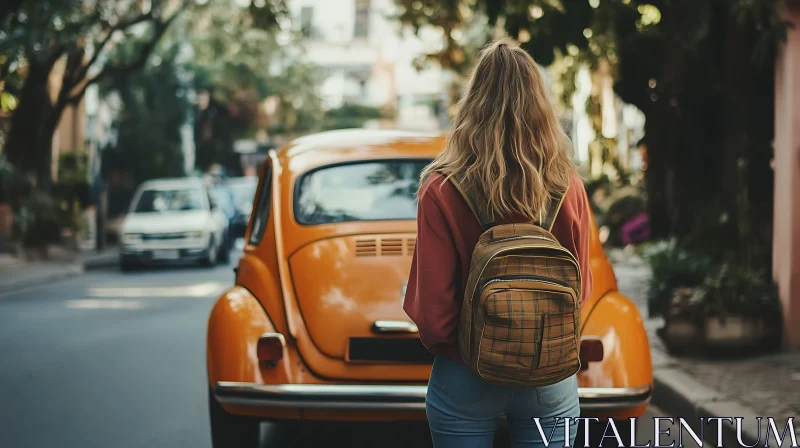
[170, 200]
[359, 191]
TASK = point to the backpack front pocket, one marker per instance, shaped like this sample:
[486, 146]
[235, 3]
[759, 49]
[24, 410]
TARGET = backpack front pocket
[513, 330]
[559, 343]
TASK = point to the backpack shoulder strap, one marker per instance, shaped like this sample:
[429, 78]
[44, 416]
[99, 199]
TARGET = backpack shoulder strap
[474, 199]
[552, 212]
[469, 195]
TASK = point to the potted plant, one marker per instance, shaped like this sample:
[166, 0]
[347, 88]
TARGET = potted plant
[676, 273]
[36, 224]
[708, 305]
[741, 309]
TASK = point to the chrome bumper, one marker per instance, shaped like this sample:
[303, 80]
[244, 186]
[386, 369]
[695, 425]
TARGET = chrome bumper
[390, 397]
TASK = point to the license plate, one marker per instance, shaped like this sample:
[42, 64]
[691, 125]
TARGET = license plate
[166, 255]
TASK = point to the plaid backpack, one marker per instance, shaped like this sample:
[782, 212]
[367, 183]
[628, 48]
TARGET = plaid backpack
[520, 318]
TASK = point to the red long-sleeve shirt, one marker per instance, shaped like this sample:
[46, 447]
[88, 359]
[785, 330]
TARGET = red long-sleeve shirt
[447, 232]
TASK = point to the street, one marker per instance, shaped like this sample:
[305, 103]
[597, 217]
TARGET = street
[118, 360]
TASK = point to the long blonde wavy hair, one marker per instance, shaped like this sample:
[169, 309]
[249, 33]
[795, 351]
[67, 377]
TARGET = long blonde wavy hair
[506, 139]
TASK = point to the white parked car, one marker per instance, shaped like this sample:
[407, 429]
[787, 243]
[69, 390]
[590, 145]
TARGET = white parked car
[173, 220]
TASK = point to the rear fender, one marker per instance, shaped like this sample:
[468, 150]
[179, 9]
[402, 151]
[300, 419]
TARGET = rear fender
[234, 327]
[626, 350]
[258, 277]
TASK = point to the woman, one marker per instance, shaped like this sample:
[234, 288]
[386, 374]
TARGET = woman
[508, 142]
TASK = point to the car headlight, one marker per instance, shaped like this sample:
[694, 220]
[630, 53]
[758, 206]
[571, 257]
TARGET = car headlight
[131, 238]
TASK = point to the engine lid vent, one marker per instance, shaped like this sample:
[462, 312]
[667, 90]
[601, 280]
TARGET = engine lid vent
[366, 247]
[392, 246]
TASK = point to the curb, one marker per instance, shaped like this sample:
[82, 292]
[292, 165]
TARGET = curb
[66, 271]
[679, 394]
[102, 261]
[69, 271]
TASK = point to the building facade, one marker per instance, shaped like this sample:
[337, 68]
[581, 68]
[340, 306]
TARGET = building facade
[786, 163]
[365, 58]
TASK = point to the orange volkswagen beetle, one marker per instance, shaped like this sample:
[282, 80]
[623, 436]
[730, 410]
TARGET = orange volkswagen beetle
[314, 328]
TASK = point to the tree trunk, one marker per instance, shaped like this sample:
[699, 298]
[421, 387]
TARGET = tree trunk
[665, 131]
[44, 147]
[747, 132]
[656, 177]
[28, 123]
[737, 136]
[684, 150]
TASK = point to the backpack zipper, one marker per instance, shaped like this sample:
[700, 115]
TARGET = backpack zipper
[511, 278]
[520, 237]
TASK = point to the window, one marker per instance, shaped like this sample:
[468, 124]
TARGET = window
[261, 211]
[360, 191]
[152, 201]
[362, 19]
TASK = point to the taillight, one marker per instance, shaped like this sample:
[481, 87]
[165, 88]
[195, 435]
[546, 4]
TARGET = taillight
[591, 350]
[270, 348]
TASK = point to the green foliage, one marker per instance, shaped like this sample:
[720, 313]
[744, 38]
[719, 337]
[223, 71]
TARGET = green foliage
[621, 210]
[72, 188]
[300, 109]
[12, 183]
[700, 71]
[557, 25]
[38, 221]
[154, 107]
[733, 289]
[692, 284]
[711, 232]
[672, 266]
[350, 116]
[36, 28]
[239, 63]
[40, 34]
[602, 183]
[613, 206]
[73, 167]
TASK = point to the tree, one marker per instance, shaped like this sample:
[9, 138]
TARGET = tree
[155, 105]
[241, 58]
[66, 34]
[71, 39]
[547, 26]
[700, 71]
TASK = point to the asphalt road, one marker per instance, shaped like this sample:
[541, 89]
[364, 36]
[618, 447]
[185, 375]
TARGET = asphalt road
[113, 360]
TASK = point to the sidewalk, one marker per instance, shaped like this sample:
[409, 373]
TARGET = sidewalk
[16, 274]
[757, 386]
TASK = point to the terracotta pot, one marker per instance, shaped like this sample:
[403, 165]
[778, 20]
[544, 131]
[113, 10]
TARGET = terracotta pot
[744, 331]
[679, 334]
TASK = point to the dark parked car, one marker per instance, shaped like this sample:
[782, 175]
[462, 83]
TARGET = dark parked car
[244, 191]
[224, 200]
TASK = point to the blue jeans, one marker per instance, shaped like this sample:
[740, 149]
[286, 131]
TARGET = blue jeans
[463, 409]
